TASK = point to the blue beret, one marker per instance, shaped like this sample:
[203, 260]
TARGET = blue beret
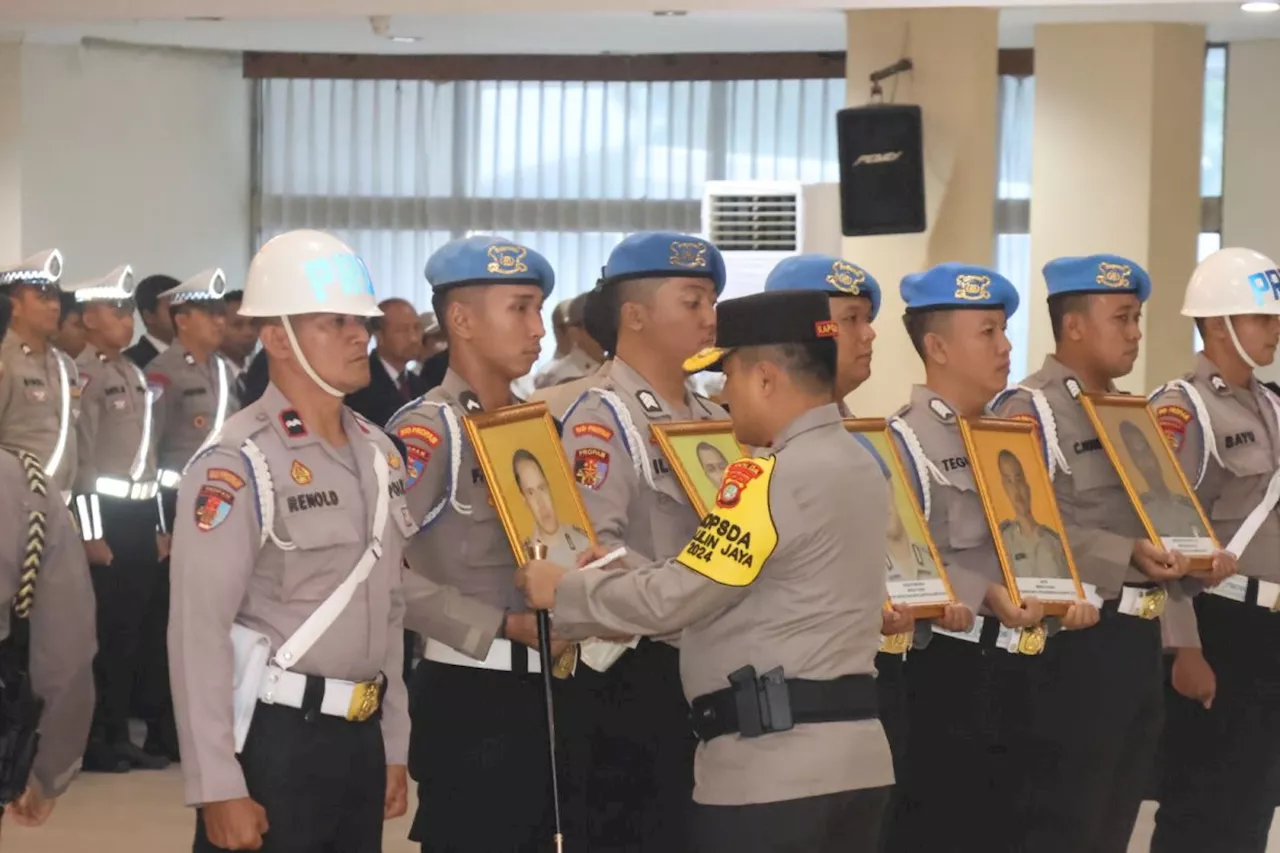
[665, 254]
[486, 259]
[826, 273]
[1097, 274]
[958, 286]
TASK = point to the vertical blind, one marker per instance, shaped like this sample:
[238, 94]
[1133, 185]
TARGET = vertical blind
[398, 167]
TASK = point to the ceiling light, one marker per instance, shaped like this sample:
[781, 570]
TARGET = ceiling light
[1259, 7]
[406, 39]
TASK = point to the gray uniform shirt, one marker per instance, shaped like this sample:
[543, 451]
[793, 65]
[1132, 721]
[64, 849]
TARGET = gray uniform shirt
[573, 365]
[813, 609]
[113, 421]
[222, 574]
[187, 396]
[62, 623]
[1034, 555]
[31, 414]
[560, 397]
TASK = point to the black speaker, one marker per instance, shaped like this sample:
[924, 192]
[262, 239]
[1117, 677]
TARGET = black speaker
[881, 150]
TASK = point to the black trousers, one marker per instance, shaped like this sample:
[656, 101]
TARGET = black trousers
[639, 770]
[479, 753]
[1218, 788]
[895, 717]
[964, 785]
[1097, 713]
[125, 591]
[848, 822]
[152, 700]
[322, 782]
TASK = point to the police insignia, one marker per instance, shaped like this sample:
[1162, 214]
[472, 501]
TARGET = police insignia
[735, 539]
[599, 431]
[941, 410]
[300, 473]
[393, 459]
[590, 467]
[1114, 275]
[1173, 422]
[157, 384]
[688, 254]
[292, 423]
[199, 421]
[1220, 385]
[1073, 387]
[507, 260]
[417, 463]
[846, 278]
[222, 475]
[826, 328]
[470, 401]
[648, 401]
[973, 288]
[419, 434]
[213, 505]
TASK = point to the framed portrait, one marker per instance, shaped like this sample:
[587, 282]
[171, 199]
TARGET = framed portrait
[699, 452]
[914, 573]
[1157, 486]
[524, 464]
[1007, 460]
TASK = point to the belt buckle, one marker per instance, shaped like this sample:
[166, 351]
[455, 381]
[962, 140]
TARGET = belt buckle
[364, 701]
[1031, 640]
[1151, 605]
[895, 644]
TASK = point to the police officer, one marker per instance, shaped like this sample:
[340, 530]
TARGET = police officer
[158, 322]
[289, 539]
[660, 289]
[193, 391]
[777, 594]
[581, 355]
[70, 335]
[601, 328]
[484, 744]
[1221, 747]
[969, 691]
[116, 483]
[50, 613]
[1099, 708]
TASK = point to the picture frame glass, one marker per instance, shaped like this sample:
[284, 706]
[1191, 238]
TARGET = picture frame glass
[523, 461]
[699, 452]
[1022, 512]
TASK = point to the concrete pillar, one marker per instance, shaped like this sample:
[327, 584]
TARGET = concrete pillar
[1116, 168]
[955, 82]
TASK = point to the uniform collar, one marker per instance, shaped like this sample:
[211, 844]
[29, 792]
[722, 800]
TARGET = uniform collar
[631, 384]
[843, 409]
[1054, 370]
[12, 340]
[461, 392]
[275, 408]
[926, 399]
[815, 418]
[579, 359]
[1207, 371]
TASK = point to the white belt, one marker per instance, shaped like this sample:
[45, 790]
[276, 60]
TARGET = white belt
[169, 479]
[1236, 588]
[499, 656]
[116, 487]
[344, 699]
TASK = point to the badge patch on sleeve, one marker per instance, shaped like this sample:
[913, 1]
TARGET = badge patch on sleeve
[222, 475]
[736, 538]
[590, 467]
[420, 434]
[157, 383]
[213, 505]
[418, 459]
[600, 431]
[1173, 422]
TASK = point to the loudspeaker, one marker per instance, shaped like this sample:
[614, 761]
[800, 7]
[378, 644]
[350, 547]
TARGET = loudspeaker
[881, 150]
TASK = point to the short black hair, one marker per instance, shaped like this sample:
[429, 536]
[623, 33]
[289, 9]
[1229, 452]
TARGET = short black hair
[1063, 304]
[147, 294]
[522, 455]
[920, 323]
[233, 296]
[375, 323]
[812, 363]
[1200, 326]
[69, 305]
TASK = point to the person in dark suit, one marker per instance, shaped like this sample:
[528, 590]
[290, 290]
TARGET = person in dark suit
[155, 316]
[435, 352]
[398, 333]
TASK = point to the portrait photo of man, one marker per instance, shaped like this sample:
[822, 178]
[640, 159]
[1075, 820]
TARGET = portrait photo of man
[712, 463]
[564, 541]
[1171, 513]
[1034, 550]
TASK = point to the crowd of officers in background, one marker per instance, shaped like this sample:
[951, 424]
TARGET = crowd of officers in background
[214, 470]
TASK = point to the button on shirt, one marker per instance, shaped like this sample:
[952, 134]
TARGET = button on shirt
[31, 414]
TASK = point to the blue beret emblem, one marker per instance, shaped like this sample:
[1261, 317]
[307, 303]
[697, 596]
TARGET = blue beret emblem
[505, 259]
[1114, 275]
[845, 277]
[689, 255]
[973, 288]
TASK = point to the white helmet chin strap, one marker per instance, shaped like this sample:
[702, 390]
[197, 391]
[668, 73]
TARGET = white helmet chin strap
[1231, 330]
[315, 377]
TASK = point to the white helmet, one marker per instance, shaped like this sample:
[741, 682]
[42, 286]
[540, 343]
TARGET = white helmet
[308, 272]
[1233, 281]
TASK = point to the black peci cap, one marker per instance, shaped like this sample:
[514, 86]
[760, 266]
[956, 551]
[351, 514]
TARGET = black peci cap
[764, 319]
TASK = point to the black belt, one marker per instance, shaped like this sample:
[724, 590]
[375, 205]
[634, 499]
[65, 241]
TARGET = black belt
[754, 706]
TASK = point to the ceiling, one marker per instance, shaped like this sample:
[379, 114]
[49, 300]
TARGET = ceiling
[595, 32]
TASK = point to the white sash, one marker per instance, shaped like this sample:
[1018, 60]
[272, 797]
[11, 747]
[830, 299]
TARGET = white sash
[1259, 513]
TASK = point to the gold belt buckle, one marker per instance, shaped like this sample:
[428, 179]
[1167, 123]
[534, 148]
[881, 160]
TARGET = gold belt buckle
[565, 665]
[896, 644]
[1031, 640]
[1152, 604]
[364, 701]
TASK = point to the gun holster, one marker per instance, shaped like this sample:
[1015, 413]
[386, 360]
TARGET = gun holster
[763, 703]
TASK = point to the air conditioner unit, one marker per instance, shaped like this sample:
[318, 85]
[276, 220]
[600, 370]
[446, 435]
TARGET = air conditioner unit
[758, 223]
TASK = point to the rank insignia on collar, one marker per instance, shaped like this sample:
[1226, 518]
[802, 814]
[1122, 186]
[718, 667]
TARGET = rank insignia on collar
[1219, 384]
[292, 423]
[1073, 387]
[190, 359]
[941, 410]
[648, 401]
[300, 473]
[470, 401]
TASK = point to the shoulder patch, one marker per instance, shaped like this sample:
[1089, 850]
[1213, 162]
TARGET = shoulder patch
[225, 475]
[1219, 385]
[419, 433]
[470, 402]
[735, 539]
[599, 431]
[1173, 422]
[292, 423]
[590, 467]
[941, 411]
[648, 401]
[213, 506]
[1072, 386]
[157, 384]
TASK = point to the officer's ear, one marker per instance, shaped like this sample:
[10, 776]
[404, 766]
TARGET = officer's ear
[275, 341]
[463, 310]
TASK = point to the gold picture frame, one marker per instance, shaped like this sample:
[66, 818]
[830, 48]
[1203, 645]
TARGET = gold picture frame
[995, 442]
[685, 444]
[519, 439]
[925, 597]
[1109, 414]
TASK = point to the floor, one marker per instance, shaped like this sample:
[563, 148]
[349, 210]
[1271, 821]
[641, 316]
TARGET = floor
[143, 812]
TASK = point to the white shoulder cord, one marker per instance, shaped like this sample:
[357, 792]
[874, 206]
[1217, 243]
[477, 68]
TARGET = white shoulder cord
[638, 442]
[455, 462]
[1253, 521]
[64, 418]
[1210, 443]
[1049, 427]
[924, 468]
[266, 495]
[144, 447]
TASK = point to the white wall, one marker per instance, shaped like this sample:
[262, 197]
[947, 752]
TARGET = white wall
[136, 156]
[1251, 177]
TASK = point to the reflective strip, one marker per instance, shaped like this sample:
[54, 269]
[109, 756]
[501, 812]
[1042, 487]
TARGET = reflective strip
[144, 446]
[89, 513]
[169, 479]
[115, 487]
[64, 419]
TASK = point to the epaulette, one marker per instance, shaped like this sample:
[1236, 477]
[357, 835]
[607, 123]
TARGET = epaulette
[439, 400]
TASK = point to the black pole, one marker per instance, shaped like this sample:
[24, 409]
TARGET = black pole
[539, 552]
